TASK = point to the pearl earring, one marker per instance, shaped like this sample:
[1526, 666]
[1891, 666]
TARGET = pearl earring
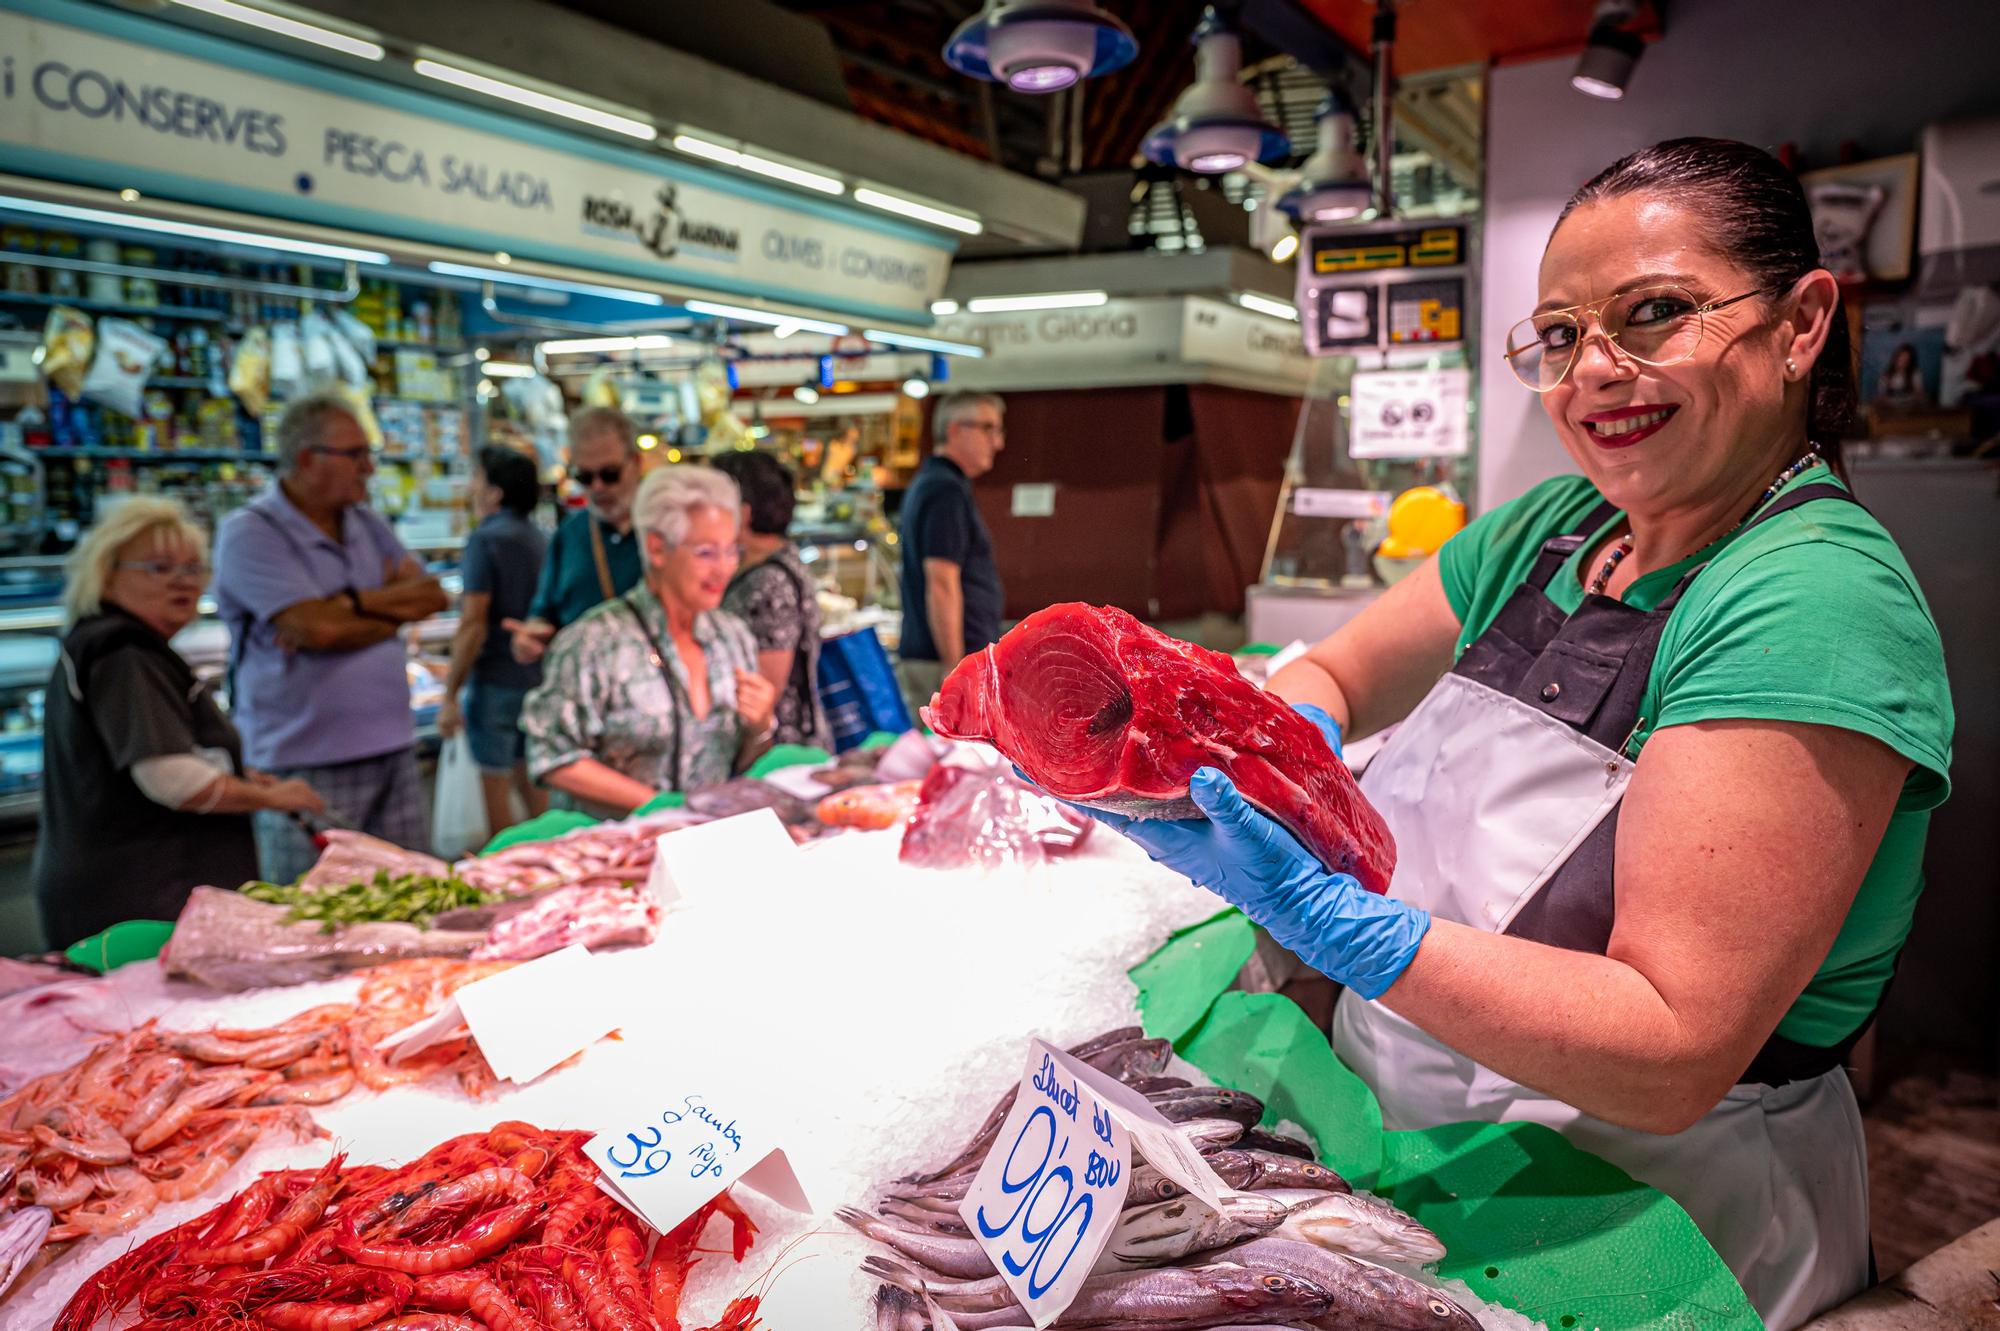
[1791, 368]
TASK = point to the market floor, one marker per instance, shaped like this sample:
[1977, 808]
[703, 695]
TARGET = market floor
[1933, 1160]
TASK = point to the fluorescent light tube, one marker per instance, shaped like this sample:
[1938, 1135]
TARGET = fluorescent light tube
[511, 278]
[643, 342]
[1052, 300]
[1250, 300]
[540, 101]
[762, 166]
[940, 308]
[923, 212]
[194, 230]
[286, 27]
[923, 343]
[506, 369]
[768, 317]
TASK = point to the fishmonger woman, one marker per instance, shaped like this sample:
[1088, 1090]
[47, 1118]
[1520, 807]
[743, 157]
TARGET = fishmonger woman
[1671, 732]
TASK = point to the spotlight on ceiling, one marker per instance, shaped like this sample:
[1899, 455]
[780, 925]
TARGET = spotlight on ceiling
[1040, 45]
[806, 394]
[1216, 124]
[1607, 62]
[1333, 184]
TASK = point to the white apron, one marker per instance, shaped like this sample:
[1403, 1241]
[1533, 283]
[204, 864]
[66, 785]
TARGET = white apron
[1501, 790]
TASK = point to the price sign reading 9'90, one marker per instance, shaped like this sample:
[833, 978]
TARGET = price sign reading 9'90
[1045, 1201]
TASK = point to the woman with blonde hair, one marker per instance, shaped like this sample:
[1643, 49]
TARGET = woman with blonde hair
[144, 792]
[657, 690]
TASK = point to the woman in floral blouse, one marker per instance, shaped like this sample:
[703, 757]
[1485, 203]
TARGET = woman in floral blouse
[658, 689]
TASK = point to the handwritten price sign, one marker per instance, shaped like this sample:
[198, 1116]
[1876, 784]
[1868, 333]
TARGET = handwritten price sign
[1045, 1201]
[671, 1153]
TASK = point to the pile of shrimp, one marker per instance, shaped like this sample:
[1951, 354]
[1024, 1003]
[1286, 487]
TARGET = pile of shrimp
[157, 1116]
[503, 1230]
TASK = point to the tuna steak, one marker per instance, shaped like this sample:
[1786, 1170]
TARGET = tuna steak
[1102, 710]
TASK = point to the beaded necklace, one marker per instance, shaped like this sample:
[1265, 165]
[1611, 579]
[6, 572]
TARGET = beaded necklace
[1624, 545]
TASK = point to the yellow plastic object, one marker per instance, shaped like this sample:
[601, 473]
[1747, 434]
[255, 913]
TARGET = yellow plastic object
[1422, 519]
[122, 944]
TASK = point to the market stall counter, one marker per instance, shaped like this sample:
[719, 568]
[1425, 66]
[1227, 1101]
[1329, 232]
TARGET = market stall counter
[865, 1014]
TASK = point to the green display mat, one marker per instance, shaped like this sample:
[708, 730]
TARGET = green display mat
[1529, 1221]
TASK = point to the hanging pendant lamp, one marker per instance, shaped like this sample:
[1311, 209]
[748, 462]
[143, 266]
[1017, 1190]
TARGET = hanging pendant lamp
[1040, 45]
[1333, 184]
[1216, 125]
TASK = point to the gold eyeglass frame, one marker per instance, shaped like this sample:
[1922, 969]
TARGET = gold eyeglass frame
[1596, 310]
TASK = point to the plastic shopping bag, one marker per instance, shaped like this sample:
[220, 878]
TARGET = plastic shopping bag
[857, 687]
[458, 814]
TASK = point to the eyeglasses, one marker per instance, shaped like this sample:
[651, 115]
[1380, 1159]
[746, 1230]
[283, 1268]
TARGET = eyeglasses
[354, 454]
[984, 427]
[1655, 325]
[715, 554]
[165, 568]
[585, 477]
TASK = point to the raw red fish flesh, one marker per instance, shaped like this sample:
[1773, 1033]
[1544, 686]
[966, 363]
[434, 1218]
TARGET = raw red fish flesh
[1100, 709]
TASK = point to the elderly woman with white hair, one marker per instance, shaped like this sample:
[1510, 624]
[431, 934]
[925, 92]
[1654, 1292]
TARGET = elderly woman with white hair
[656, 690]
[144, 792]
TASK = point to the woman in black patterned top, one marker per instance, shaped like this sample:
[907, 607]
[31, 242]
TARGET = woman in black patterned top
[773, 594]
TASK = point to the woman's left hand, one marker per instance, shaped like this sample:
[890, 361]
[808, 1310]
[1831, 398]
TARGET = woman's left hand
[756, 700]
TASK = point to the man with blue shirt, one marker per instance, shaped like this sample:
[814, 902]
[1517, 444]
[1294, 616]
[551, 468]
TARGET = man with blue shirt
[595, 553]
[316, 589]
[951, 586]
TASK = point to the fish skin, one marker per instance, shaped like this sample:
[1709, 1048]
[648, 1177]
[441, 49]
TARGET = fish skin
[1356, 1224]
[1364, 1296]
[22, 1235]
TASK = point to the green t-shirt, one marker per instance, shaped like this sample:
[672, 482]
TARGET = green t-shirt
[1812, 616]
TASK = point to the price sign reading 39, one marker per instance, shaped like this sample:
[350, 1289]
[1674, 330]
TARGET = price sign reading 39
[1045, 1201]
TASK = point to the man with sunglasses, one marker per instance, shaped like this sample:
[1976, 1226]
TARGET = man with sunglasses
[595, 555]
[316, 590]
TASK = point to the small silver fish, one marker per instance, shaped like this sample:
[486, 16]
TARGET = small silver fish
[22, 1235]
[1167, 1231]
[1361, 1226]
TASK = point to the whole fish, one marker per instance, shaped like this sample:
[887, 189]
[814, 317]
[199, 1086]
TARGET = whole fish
[1131, 1059]
[1358, 1225]
[1149, 1185]
[945, 1254]
[1278, 1143]
[1362, 1296]
[1208, 1102]
[1287, 1171]
[22, 1235]
[1154, 1085]
[1168, 1231]
[1211, 1134]
[1214, 1295]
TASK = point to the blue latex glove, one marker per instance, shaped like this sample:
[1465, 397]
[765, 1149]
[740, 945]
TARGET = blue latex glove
[1329, 920]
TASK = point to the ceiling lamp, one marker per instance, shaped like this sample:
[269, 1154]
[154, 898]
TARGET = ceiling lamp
[1607, 62]
[1040, 45]
[1216, 125]
[1333, 184]
[916, 387]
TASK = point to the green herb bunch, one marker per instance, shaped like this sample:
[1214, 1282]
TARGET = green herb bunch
[407, 897]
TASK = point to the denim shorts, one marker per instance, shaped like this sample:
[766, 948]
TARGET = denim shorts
[493, 726]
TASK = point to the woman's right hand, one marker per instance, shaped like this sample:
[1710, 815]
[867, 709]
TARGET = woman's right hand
[449, 719]
[292, 797]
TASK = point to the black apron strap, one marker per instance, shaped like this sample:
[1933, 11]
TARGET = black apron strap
[1557, 549]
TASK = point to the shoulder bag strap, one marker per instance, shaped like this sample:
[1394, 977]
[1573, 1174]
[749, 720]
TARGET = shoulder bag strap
[597, 553]
[666, 674]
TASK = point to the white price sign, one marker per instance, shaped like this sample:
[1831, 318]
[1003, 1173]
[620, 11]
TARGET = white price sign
[1049, 1194]
[673, 1150]
[1409, 414]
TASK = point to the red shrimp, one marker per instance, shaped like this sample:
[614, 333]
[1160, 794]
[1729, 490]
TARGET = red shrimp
[165, 1075]
[365, 1213]
[386, 1292]
[570, 1217]
[740, 1315]
[513, 1135]
[624, 1253]
[428, 1322]
[477, 1293]
[531, 1160]
[317, 1066]
[544, 1294]
[673, 1257]
[82, 1134]
[282, 1234]
[119, 1280]
[125, 1208]
[742, 1230]
[475, 1243]
[201, 1095]
[472, 1192]
[602, 1306]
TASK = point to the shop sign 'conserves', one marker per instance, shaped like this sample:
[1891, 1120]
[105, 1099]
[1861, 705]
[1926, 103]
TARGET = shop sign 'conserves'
[182, 115]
